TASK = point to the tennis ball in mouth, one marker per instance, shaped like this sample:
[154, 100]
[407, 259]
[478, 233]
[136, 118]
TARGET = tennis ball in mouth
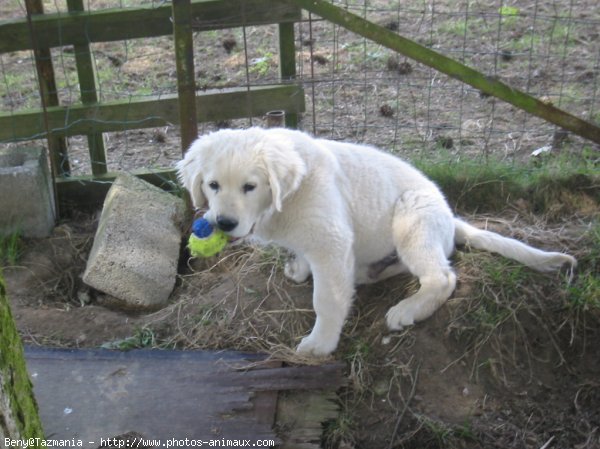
[206, 241]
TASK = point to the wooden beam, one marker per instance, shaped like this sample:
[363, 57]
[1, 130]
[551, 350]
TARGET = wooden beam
[184, 62]
[57, 146]
[60, 29]
[88, 192]
[222, 104]
[287, 63]
[86, 73]
[450, 67]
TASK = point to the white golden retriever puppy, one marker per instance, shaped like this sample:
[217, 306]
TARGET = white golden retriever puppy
[350, 214]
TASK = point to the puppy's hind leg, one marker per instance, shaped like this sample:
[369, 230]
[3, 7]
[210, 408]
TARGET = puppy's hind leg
[297, 269]
[424, 246]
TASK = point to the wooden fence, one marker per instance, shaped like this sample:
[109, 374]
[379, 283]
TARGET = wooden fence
[40, 32]
[78, 28]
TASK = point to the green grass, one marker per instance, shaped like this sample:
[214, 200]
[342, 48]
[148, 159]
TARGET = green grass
[143, 338]
[10, 248]
[563, 182]
[459, 27]
[437, 433]
[340, 430]
[500, 284]
[262, 64]
[584, 293]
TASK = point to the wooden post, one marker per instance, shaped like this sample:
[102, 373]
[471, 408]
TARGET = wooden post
[186, 83]
[87, 86]
[287, 63]
[48, 92]
[19, 419]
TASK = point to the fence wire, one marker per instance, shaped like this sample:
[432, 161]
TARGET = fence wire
[355, 90]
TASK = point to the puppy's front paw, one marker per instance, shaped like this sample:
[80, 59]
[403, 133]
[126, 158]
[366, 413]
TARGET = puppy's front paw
[400, 316]
[297, 269]
[316, 347]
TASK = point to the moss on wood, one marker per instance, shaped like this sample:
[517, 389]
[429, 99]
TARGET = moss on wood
[19, 419]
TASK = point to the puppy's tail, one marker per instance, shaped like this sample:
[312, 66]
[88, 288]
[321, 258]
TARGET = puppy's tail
[539, 260]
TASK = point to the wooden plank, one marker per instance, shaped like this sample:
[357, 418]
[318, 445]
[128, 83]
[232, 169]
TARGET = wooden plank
[158, 394]
[222, 104]
[184, 62]
[330, 377]
[19, 419]
[200, 395]
[48, 93]
[88, 192]
[86, 73]
[60, 29]
[450, 67]
[300, 417]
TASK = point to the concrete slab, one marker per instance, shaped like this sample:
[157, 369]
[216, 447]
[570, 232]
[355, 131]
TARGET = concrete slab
[136, 248]
[27, 199]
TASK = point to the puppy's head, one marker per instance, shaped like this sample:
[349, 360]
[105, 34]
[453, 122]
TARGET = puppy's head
[241, 174]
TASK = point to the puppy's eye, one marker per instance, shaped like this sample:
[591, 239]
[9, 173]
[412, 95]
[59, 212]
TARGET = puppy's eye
[214, 185]
[248, 187]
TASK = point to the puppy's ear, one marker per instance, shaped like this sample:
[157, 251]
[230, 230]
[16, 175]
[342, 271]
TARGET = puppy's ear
[189, 172]
[198, 198]
[285, 170]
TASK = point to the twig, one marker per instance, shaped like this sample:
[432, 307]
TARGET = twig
[548, 443]
[406, 403]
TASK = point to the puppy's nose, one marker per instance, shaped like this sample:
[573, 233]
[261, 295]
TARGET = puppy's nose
[226, 224]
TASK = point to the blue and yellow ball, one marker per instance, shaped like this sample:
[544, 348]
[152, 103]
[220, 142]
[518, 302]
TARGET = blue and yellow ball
[205, 241]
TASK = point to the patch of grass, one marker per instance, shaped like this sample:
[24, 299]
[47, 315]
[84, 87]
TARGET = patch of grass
[339, 431]
[499, 281]
[357, 357]
[436, 433]
[504, 272]
[10, 248]
[207, 314]
[584, 294]
[557, 184]
[490, 319]
[262, 64]
[459, 26]
[143, 338]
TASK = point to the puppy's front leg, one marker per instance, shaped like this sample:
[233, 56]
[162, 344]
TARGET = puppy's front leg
[333, 280]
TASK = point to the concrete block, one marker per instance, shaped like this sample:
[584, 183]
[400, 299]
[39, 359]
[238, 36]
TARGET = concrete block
[136, 248]
[27, 199]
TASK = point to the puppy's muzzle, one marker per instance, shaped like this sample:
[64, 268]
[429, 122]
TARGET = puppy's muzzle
[226, 224]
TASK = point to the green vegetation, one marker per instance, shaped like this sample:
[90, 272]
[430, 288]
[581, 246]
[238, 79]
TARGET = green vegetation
[338, 431]
[262, 64]
[556, 185]
[10, 248]
[584, 293]
[16, 392]
[444, 434]
[143, 338]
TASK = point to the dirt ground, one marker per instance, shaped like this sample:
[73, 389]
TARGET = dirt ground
[509, 362]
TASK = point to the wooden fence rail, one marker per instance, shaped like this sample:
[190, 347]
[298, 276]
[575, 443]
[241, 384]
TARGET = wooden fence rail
[123, 115]
[61, 29]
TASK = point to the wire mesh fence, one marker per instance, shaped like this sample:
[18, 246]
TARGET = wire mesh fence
[355, 89]
[363, 91]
